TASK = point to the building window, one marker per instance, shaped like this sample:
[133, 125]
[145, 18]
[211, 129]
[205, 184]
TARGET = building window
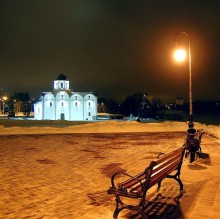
[76, 104]
[89, 97]
[75, 97]
[62, 104]
[89, 103]
[50, 104]
[62, 97]
[61, 85]
[89, 114]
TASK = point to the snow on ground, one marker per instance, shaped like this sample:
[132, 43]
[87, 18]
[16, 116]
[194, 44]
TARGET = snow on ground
[111, 127]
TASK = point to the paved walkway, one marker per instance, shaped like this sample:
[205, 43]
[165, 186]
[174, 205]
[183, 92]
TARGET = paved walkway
[66, 176]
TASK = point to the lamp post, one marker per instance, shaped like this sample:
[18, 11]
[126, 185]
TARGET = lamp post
[180, 55]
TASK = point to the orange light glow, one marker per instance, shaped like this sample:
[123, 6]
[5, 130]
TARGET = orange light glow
[180, 55]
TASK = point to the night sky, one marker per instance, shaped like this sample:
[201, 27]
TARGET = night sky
[111, 47]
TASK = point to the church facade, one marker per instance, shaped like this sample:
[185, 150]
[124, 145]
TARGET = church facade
[64, 104]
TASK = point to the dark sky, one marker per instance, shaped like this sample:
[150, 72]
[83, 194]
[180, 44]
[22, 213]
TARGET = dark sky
[112, 47]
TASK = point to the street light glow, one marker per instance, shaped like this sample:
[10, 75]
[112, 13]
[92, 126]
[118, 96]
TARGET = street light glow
[4, 98]
[180, 55]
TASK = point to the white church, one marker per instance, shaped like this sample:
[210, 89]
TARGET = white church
[64, 104]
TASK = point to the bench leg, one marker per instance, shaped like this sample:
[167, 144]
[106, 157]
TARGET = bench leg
[117, 211]
[120, 206]
[177, 178]
[159, 185]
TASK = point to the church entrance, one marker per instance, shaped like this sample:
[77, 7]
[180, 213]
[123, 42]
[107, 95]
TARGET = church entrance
[62, 116]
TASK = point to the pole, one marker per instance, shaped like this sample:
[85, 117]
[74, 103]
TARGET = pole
[191, 124]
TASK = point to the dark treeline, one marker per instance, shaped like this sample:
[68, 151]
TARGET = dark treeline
[201, 107]
[137, 105]
[206, 106]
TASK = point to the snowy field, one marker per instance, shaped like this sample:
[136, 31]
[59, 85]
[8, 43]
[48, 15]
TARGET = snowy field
[56, 127]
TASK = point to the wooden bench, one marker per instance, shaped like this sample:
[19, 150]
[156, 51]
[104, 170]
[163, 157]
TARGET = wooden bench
[135, 187]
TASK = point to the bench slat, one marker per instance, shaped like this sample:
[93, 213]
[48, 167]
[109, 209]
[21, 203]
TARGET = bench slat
[158, 168]
[133, 180]
[177, 152]
[154, 180]
[158, 176]
[137, 187]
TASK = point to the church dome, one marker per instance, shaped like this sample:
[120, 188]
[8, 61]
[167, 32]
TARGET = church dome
[61, 77]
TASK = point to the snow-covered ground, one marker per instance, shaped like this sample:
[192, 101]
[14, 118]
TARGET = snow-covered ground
[111, 127]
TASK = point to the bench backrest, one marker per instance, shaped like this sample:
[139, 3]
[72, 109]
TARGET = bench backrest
[155, 172]
[165, 165]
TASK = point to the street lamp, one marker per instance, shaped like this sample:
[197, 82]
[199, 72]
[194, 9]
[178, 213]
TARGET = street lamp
[180, 56]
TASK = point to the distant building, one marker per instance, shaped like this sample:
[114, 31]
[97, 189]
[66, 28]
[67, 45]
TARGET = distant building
[64, 104]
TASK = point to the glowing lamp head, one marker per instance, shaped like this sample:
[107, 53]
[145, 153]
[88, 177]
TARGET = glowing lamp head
[180, 55]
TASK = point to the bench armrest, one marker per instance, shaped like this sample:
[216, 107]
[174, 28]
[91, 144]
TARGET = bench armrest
[121, 173]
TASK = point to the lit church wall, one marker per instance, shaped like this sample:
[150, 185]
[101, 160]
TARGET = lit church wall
[62, 106]
[76, 109]
[89, 107]
[38, 111]
[49, 107]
